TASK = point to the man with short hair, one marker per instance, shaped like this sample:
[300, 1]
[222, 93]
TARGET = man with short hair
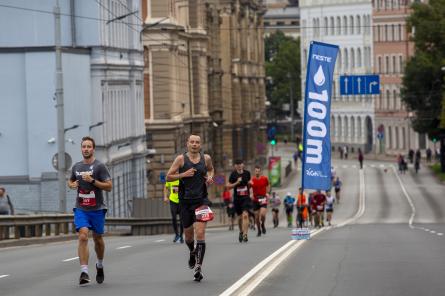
[195, 172]
[260, 190]
[239, 181]
[90, 177]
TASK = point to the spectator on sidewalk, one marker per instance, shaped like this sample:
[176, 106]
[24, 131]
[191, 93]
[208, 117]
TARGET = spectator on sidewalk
[360, 158]
[6, 207]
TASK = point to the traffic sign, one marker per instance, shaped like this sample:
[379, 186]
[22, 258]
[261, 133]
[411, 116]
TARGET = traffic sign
[55, 161]
[359, 85]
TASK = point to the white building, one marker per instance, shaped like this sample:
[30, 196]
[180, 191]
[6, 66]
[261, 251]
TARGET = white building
[346, 23]
[103, 94]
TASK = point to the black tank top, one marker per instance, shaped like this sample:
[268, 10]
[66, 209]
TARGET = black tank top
[193, 187]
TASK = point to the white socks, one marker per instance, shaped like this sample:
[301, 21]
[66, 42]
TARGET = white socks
[99, 263]
[84, 268]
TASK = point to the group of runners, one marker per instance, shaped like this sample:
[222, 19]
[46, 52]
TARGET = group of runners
[186, 189]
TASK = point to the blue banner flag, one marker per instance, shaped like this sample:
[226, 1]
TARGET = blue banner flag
[316, 169]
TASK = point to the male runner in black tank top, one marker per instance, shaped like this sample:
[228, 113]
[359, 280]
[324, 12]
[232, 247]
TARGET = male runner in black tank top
[195, 171]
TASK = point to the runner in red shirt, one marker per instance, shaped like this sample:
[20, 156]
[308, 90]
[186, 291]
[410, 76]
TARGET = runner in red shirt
[260, 187]
[319, 200]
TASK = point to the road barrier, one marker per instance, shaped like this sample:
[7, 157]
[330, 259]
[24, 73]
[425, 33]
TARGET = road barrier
[53, 225]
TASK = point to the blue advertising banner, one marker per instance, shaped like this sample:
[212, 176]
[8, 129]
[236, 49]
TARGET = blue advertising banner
[316, 169]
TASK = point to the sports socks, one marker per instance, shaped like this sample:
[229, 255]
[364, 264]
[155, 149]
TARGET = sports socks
[190, 245]
[84, 268]
[200, 251]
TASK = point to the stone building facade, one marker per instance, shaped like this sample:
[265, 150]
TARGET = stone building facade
[204, 72]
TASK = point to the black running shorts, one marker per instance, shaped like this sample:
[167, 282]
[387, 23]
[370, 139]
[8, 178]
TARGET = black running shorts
[242, 204]
[188, 208]
[257, 206]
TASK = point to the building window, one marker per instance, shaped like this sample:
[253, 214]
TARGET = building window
[401, 67]
[379, 65]
[377, 33]
[388, 100]
[325, 25]
[352, 59]
[332, 26]
[266, 24]
[359, 57]
[345, 25]
[338, 25]
[396, 100]
[399, 29]
[351, 24]
[346, 60]
[394, 70]
[387, 65]
[359, 29]
[386, 33]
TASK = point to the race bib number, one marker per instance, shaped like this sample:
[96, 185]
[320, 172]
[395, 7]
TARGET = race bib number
[87, 198]
[262, 200]
[242, 191]
[320, 208]
[204, 214]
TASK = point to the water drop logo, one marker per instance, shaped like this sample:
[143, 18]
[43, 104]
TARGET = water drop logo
[319, 78]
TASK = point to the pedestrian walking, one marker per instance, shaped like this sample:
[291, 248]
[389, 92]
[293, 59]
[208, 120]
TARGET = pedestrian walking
[171, 195]
[239, 181]
[6, 207]
[275, 201]
[345, 152]
[195, 172]
[429, 154]
[228, 201]
[90, 178]
[360, 158]
[417, 161]
[337, 188]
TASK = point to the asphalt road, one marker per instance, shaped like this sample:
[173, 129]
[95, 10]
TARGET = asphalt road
[378, 252]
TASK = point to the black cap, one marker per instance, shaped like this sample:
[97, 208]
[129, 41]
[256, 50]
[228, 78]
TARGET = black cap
[238, 161]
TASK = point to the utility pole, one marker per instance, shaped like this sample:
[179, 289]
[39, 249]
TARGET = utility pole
[60, 113]
[292, 127]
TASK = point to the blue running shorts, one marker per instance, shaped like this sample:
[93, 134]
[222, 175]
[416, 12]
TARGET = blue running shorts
[93, 220]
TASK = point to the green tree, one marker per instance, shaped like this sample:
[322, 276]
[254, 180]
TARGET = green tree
[282, 68]
[423, 81]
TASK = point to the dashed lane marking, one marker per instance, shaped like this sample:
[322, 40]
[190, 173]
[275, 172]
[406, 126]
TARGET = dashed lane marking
[439, 233]
[3, 276]
[70, 259]
[123, 247]
[159, 240]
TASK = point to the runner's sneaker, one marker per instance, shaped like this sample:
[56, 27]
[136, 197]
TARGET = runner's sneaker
[263, 228]
[100, 275]
[245, 238]
[197, 276]
[181, 240]
[177, 237]
[259, 233]
[84, 279]
[192, 260]
[240, 237]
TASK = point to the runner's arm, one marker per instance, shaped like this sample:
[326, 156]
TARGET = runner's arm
[210, 168]
[173, 173]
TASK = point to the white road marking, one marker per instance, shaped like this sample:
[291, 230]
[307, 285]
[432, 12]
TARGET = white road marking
[354, 166]
[159, 240]
[70, 259]
[3, 276]
[246, 284]
[373, 165]
[432, 231]
[344, 166]
[426, 229]
[408, 198]
[254, 277]
[123, 247]
[362, 202]
[439, 233]
[382, 165]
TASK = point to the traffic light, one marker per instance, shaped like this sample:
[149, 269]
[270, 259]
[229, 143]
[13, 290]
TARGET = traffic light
[273, 142]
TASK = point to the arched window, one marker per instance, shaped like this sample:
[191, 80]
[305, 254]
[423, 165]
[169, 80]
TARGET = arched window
[396, 100]
[325, 25]
[381, 99]
[377, 33]
[388, 100]
[389, 143]
[345, 59]
[314, 27]
[394, 65]
[338, 25]
[352, 59]
[399, 29]
[346, 127]
[352, 129]
[359, 28]
[351, 25]
[401, 67]
[387, 65]
[340, 61]
[403, 138]
[396, 137]
[345, 25]
[359, 57]
[332, 26]
[339, 128]
[333, 131]
[379, 65]
[359, 129]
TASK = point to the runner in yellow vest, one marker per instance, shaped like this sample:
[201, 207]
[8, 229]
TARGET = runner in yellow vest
[171, 192]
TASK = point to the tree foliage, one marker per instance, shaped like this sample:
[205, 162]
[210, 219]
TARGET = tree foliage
[282, 67]
[423, 81]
